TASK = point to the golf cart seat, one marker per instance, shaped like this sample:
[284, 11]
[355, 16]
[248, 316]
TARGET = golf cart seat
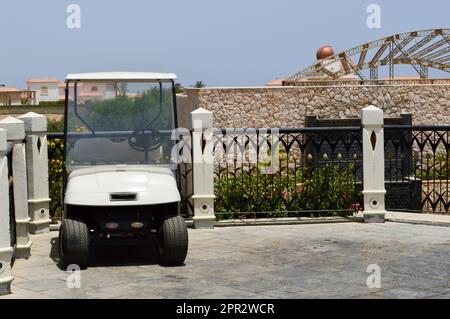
[100, 149]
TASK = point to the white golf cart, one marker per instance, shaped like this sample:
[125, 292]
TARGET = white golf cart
[119, 181]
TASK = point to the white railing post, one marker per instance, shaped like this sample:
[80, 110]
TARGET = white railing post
[373, 165]
[15, 129]
[37, 172]
[203, 168]
[6, 251]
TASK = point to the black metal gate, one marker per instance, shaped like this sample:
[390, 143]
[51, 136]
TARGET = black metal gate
[12, 216]
[418, 156]
[403, 192]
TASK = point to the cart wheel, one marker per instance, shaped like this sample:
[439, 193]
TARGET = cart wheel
[73, 243]
[172, 241]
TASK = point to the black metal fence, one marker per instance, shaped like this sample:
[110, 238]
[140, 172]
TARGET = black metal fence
[55, 156]
[12, 216]
[55, 172]
[319, 171]
[185, 183]
[417, 168]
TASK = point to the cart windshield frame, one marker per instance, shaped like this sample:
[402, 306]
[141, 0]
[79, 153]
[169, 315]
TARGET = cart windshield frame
[119, 121]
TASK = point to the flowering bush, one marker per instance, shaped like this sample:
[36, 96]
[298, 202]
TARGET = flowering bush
[325, 191]
[55, 168]
[55, 176]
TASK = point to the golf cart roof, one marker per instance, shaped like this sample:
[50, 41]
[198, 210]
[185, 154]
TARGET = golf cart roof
[122, 77]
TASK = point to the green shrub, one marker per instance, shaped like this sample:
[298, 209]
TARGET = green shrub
[51, 104]
[329, 188]
[436, 167]
[55, 177]
[55, 126]
[326, 191]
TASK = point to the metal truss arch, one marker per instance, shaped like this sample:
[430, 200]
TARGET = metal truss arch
[421, 49]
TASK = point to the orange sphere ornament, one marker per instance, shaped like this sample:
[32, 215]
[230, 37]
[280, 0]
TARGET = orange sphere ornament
[324, 52]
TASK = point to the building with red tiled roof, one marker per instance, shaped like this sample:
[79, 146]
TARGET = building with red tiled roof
[275, 82]
[48, 80]
[13, 96]
[89, 91]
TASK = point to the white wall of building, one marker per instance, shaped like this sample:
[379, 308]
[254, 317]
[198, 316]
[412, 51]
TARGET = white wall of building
[45, 91]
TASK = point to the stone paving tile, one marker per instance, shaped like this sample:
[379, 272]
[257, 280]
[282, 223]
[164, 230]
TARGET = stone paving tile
[54, 275]
[41, 285]
[415, 282]
[257, 284]
[24, 271]
[66, 293]
[296, 261]
[326, 292]
[442, 290]
[115, 291]
[20, 293]
[406, 293]
[222, 292]
[444, 296]
[18, 279]
[32, 263]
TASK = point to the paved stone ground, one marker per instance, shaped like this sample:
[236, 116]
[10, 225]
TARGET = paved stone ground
[297, 261]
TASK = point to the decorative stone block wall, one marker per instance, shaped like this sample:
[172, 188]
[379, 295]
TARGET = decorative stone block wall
[287, 106]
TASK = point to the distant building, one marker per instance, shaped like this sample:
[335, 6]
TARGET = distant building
[52, 90]
[47, 90]
[96, 91]
[275, 82]
[15, 96]
[89, 91]
[62, 88]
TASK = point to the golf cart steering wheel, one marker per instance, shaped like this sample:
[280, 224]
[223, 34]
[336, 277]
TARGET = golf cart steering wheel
[144, 140]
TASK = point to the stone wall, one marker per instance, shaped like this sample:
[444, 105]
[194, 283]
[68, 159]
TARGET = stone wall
[288, 106]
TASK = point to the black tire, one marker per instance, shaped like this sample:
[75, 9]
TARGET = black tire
[73, 243]
[172, 241]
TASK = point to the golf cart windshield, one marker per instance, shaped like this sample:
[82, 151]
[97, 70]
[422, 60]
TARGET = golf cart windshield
[113, 123]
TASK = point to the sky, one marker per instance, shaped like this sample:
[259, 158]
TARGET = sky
[223, 43]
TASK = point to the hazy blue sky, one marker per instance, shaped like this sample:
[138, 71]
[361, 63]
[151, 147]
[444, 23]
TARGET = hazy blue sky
[223, 43]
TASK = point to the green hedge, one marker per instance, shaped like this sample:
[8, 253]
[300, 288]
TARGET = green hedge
[52, 104]
[22, 109]
[325, 191]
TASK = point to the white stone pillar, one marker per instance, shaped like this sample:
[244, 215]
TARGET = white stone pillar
[373, 164]
[16, 134]
[6, 251]
[203, 168]
[37, 172]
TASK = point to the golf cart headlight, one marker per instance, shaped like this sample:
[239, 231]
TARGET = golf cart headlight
[111, 225]
[137, 225]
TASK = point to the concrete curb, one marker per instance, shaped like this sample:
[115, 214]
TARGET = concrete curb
[297, 221]
[418, 222]
[418, 219]
[284, 221]
[266, 221]
[55, 227]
